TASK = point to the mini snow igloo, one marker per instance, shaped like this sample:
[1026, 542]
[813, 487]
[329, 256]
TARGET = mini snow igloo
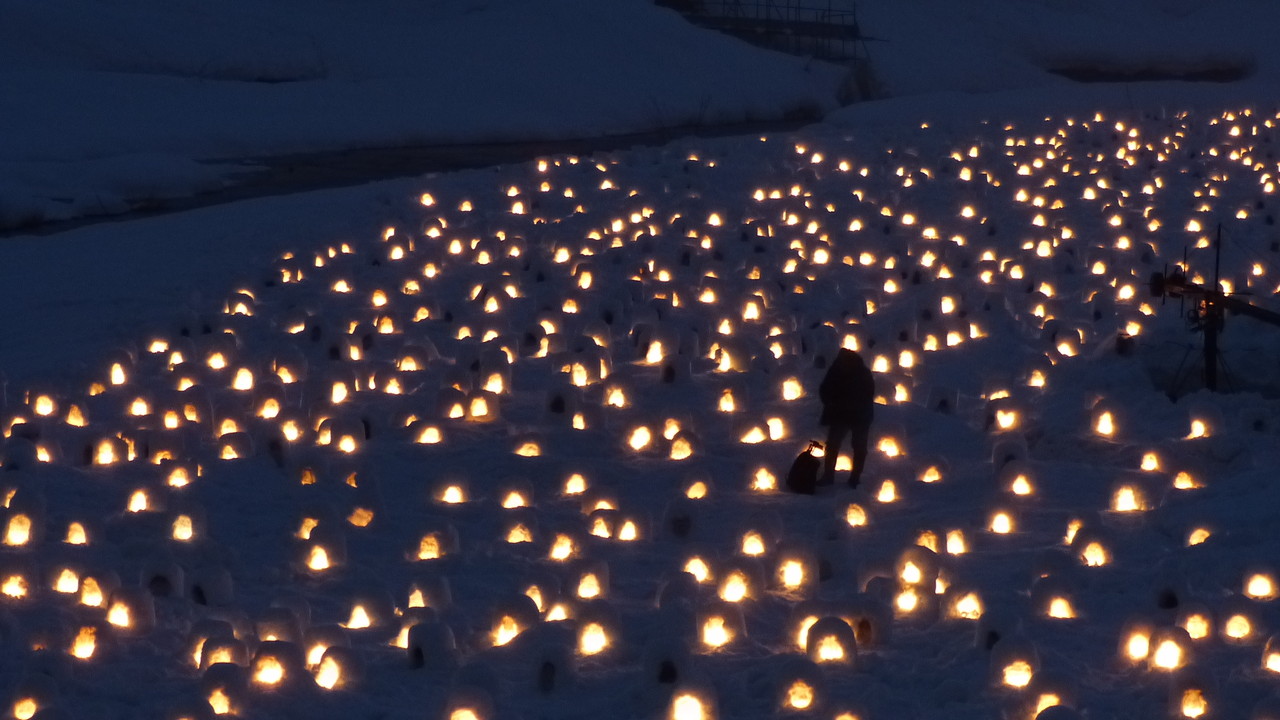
[470, 702]
[698, 486]
[1193, 693]
[221, 649]
[324, 546]
[519, 527]
[855, 516]
[279, 623]
[1107, 421]
[343, 432]
[510, 618]
[682, 587]
[435, 540]
[431, 646]
[1134, 644]
[106, 452]
[1049, 690]
[590, 580]
[692, 698]
[279, 666]
[918, 567]
[340, 668]
[204, 631]
[210, 584]
[912, 604]
[24, 518]
[795, 571]
[1002, 520]
[1009, 447]
[161, 575]
[95, 586]
[131, 610]
[597, 629]
[235, 446]
[762, 480]
[720, 624]
[188, 523]
[1006, 414]
[962, 602]
[424, 432]
[740, 579]
[1169, 649]
[35, 693]
[1259, 583]
[1197, 619]
[1017, 478]
[1014, 663]
[931, 468]
[830, 641]
[565, 406]
[551, 648]
[1093, 544]
[451, 490]
[372, 612]
[870, 615]
[1133, 493]
[800, 687]
[528, 444]
[417, 356]
[92, 640]
[759, 535]
[1271, 655]
[684, 443]
[1241, 623]
[611, 524]
[1051, 597]
[756, 431]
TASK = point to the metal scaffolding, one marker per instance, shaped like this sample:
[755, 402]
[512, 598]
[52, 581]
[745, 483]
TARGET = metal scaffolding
[793, 26]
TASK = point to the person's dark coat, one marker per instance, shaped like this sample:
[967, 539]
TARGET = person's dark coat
[848, 391]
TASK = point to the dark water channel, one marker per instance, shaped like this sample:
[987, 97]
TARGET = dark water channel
[288, 174]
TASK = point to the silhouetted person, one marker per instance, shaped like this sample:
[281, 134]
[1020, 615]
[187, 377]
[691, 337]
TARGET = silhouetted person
[848, 394]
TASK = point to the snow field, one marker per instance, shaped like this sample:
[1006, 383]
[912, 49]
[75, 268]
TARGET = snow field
[517, 452]
[109, 107]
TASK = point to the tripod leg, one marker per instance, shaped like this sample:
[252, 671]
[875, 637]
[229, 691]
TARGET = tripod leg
[1177, 374]
[1226, 373]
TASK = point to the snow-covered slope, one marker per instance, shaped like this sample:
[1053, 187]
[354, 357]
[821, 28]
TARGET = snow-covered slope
[934, 45]
[509, 443]
[100, 100]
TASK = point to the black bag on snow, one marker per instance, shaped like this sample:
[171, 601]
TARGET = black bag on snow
[803, 476]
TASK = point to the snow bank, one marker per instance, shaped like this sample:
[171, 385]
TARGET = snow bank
[934, 46]
[89, 84]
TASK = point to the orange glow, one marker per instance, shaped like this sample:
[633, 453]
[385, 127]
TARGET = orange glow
[85, 643]
[1017, 674]
[800, 695]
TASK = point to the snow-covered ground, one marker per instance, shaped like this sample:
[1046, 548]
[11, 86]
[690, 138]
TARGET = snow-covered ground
[108, 105]
[516, 329]
[935, 45]
[113, 106]
[535, 420]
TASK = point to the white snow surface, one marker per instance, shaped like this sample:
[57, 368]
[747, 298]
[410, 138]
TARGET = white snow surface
[102, 99]
[988, 254]
[99, 96]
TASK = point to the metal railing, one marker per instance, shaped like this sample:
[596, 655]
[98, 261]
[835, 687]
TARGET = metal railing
[796, 26]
